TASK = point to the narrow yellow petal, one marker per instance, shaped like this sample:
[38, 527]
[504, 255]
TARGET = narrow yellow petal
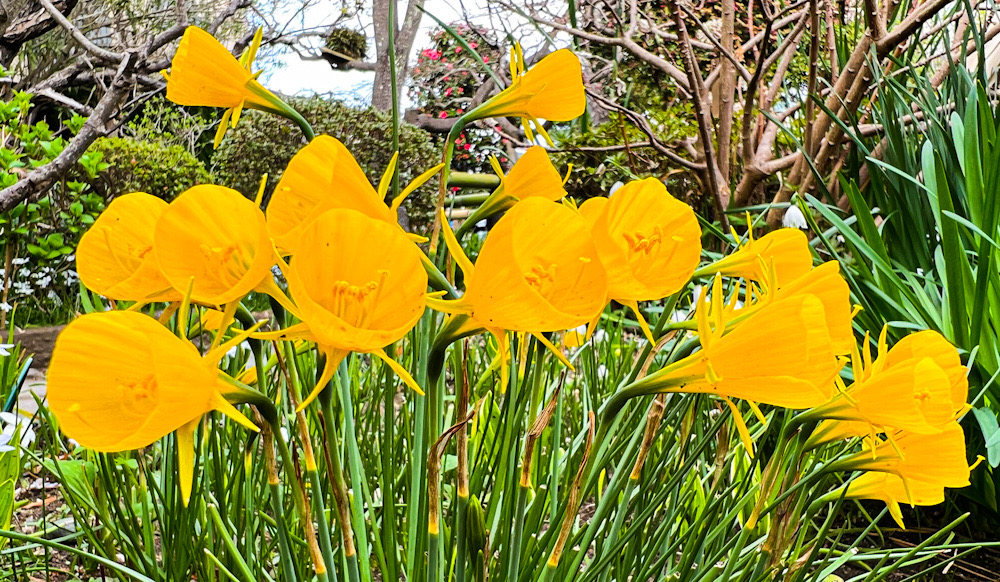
[555, 351]
[222, 405]
[185, 458]
[741, 427]
[333, 359]
[400, 371]
[457, 253]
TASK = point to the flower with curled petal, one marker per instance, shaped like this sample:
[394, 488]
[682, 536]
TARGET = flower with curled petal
[359, 285]
[118, 381]
[115, 258]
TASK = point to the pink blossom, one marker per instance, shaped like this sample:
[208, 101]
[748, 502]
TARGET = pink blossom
[447, 92]
[458, 49]
[486, 59]
[467, 146]
[450, 66]
[473, 44]
[443, 114]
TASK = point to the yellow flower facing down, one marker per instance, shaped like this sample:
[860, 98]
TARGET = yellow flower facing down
[533, 175]
[359, 286]
[219, 238]
[203, 73]
[825, 283]
[781, 355]
[552, 89]
[538, 271]
[931, 344]
[938, 459]
[119, 381]
[892, 490]
[902, 390]
[321, 176]
[648, 241]
[115, 258]
[786, 250]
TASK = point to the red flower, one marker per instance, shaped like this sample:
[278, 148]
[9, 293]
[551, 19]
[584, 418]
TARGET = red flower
[468, 146]
[486, 59]
[447, 92]
[443, 114]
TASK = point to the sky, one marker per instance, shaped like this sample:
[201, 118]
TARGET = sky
[292, 75]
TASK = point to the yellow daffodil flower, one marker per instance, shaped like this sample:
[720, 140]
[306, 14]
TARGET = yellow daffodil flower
[785, 251]
[938, 459]
[538, 271]
[359, 286]
[219, 238]
[892, 490]
[115, 258]
[533, 175]
[648, 241]
[322, 176]
[906, 390]
[119, 381]
[552, 90]
[203, 73]
[824, 282]
[780, 355]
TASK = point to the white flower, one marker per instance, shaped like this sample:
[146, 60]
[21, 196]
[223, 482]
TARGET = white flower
[24, 272]
[794, 218]
[6, 307]
[19, 262]
[13, 423]
[696, 294]
[599, 336]
[602, 371]
[614, 188]
[481, 223]
[44, 281]
[23, 288]
[5, 349]
[70, 277]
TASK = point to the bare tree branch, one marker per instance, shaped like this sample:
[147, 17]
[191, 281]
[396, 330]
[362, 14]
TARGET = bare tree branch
[43, 177]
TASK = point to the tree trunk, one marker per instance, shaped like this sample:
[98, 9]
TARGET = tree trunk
[405, 35]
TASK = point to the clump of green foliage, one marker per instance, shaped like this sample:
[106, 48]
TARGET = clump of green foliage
[143, 166]
[263, 144]
[348, 42]
[39, 234]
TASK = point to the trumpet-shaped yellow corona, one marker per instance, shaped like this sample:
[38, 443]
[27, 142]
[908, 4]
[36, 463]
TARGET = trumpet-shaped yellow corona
[552, 89]
[118, 381]
[359, 285]
[648, 241]
[780, 355]
[203, 73]
[784, 251]
[115, 258]
[219, 238]
[533, 175]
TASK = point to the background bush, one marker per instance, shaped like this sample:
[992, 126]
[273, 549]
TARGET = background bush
[143, 166]
[263, 144]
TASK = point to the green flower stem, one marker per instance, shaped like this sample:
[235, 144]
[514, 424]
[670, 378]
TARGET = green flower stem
[280, 525]
[472, 181]
[461, 451]
[279, 107]
[340, 496]
[446, 157]
[312, 474]
[288, 466]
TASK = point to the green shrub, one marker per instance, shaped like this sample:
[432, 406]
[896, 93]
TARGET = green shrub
[141, 166]
[263, 144]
